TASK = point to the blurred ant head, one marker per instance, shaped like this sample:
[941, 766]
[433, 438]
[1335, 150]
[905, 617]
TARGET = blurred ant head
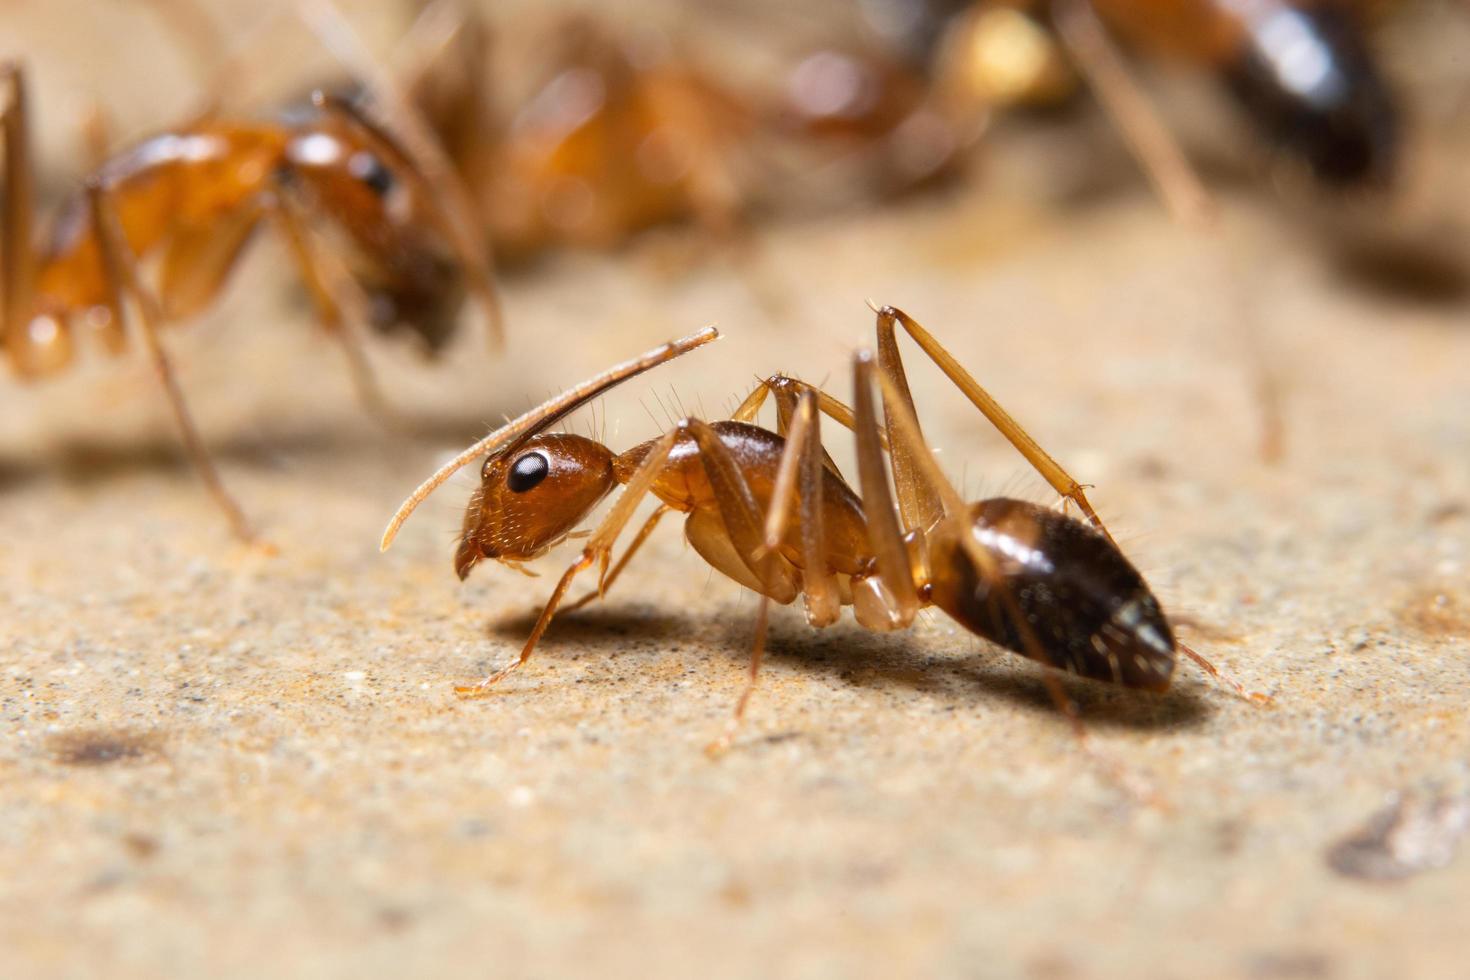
[382, 209]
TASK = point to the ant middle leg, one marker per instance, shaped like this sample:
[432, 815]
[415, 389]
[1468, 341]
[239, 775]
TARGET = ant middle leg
[121, 274]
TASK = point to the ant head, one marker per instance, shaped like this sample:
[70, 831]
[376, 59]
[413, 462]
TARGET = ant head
[532, 496]
[371, 191]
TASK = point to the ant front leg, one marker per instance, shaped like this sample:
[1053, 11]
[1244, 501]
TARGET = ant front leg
[606, 581]
[121, 273]
[596, 551]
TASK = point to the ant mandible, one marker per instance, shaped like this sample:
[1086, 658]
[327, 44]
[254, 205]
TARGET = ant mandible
[194, 197]
[771, 511]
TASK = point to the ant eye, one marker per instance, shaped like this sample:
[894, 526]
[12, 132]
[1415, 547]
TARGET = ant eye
[367, 168]
[527, 472]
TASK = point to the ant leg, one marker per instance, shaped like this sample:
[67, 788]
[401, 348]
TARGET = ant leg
[597, 549]
[751, 406]
[17, 223]
[95, 136]
[895, 573]
[608, 579]
[1254, 697]
[801, 461]
[918, 502]
[444, 59]
[787, 391]
[326, 280]
[1043, 463]
[1153, 146]
[748, 534]
[121, 273]
[1028, 447]
[721, 745]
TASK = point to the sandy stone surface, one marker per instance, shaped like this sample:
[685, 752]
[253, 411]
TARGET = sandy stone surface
[218, 762]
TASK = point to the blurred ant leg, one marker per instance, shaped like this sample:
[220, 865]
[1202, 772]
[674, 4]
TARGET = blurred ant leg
[1122, 98]
[17, 222]
[597, 549]
[1176, 181]
[607, 580]
[1254, 697]
[895, 574]
[95, 137]
[326, 280]
[453, 203]
[1139, 788]
[1018, 437]
[121, 273]
[197, 31]
[444, 59]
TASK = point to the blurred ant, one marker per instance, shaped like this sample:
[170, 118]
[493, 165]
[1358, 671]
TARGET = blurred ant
[771, 511]
[616, 137]
[192, 198]
[1301, 70]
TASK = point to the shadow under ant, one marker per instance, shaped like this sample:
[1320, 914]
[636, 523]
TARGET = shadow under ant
[958, 675]
[861, 659]
[593, 626]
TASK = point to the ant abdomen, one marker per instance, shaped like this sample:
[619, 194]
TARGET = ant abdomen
[1333, 109]
[1085, 607]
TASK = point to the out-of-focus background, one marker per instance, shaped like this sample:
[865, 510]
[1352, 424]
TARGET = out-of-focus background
[227, 761]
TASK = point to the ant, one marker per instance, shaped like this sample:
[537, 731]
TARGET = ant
[771, 511]
[615, 137]
[1301, 71]
[193, 198]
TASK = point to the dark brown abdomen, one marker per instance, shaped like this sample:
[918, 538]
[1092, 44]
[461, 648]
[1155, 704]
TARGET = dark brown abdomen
[1086, 610]
[1305, 75]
